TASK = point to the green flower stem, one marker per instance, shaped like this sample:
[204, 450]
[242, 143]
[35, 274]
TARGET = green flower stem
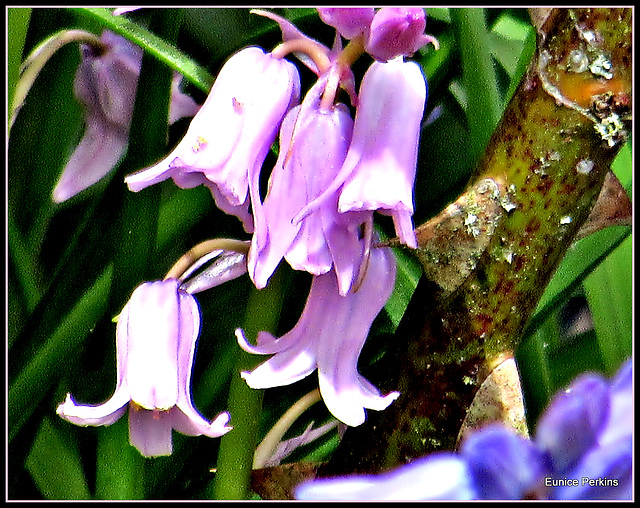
[237, 448]
[18, 23]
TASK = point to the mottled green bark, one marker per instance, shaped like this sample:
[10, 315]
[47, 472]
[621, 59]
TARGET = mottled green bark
[488, 257]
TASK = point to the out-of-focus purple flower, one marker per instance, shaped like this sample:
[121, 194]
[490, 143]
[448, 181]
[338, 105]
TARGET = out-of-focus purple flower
[441, 476]
[350, 22]
[495, 463]
[313, 145]
[229, 138]
[329, 337]
[397, 31]
[379, 170]
[105, 85]
[155, 345]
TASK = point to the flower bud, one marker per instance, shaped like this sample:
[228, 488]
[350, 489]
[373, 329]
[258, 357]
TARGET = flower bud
[397, 31]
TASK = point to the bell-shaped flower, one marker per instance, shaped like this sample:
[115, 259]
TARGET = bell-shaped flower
[229, 138]
[329, 337]
[350, 22]
[313, 145]
[380, 167]
[105, 85]
[397, 31]
[155, 345]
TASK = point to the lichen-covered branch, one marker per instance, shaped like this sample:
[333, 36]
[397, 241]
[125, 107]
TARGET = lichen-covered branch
[488, 256]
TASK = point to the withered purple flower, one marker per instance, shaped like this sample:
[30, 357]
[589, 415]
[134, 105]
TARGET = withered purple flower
[105, 85]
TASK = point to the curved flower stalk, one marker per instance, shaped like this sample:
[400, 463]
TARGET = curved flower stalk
[155, 345]
[105, 85]
[329, 337]
[229, 138]
[582, 450]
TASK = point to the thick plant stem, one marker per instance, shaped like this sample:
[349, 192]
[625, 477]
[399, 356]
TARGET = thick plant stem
[237, 448]
[488, 257]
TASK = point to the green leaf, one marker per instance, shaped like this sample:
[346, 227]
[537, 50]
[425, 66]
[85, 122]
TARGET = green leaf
[484, 104]
[580, 260]
[609, 293]
[158, 47]
[56, 355]
[55, 465]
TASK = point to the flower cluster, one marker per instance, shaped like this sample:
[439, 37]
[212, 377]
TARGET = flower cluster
[335, 169]
[582, 449]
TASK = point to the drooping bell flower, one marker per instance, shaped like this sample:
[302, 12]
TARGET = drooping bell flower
[229, 138]
[155, 345]
[397, 31]
[105, 85]
[329, 337]
[380, 167]
[313, 145]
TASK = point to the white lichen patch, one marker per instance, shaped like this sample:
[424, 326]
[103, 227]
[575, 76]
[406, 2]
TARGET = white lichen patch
[584, 166]
[601, 66]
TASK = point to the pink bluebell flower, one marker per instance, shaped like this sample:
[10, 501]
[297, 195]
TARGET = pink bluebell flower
[379, 170]
[582, 450]
[228, 140]
[328, 338]
[105, 85]
[313, 145]
[156, 339]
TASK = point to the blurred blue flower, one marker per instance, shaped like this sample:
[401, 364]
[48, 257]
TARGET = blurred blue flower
[582, 450]
[155, 346]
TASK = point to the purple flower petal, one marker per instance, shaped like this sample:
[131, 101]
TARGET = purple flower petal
[150, 432]
[504, 465]
[101, 414]
[229, 138]
[313, 144]
[329, 336]
[397, 31]
[381, 163]
[154, 326]
[441, 476]
[155, 346]
[349, 22]
[106, 85]
[574, 419]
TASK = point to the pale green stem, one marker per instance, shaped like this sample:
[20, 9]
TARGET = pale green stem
[35, 62]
